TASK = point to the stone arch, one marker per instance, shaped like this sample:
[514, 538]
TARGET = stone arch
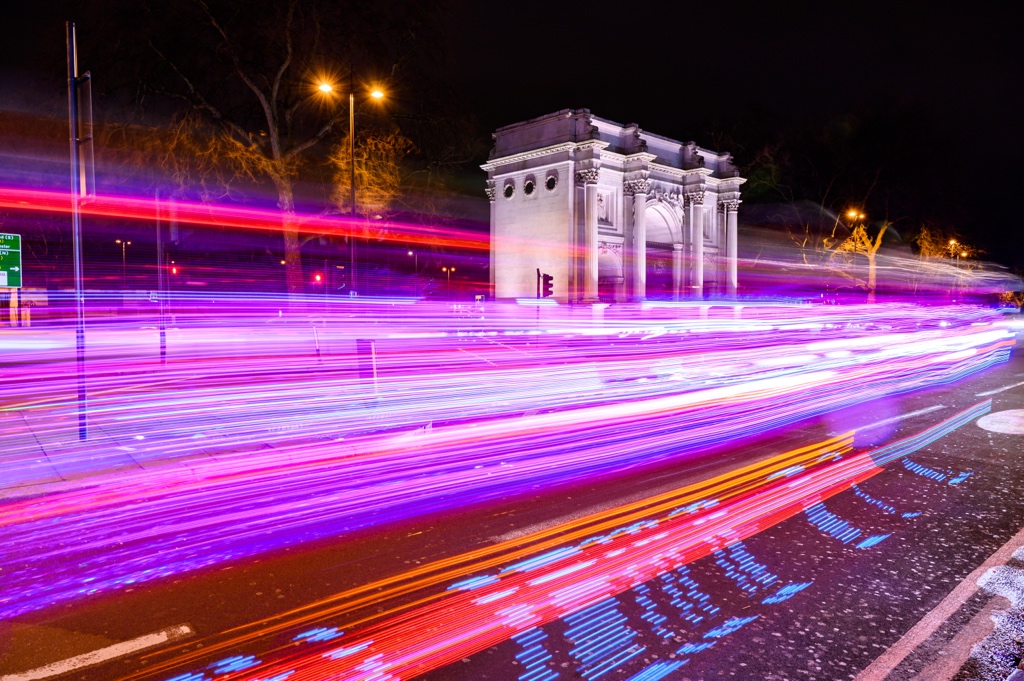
[662, 223]
[609, 272]
[609, 261]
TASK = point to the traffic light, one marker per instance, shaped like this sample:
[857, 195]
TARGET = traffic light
[546, 289]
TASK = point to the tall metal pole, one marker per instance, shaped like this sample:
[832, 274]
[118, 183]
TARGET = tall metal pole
[352, 178]
[76, 227]
[160, 281]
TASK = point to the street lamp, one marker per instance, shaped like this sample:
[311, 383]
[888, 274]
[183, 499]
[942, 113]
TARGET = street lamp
[124, 269]
[415, 270]
[327, 88]
[449, 270]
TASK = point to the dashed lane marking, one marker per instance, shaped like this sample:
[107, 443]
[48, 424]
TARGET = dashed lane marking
[876, 424]
[998, 390]
[103, 654]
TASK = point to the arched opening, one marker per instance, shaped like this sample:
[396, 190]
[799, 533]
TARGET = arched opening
[609, 273]
[663, 229]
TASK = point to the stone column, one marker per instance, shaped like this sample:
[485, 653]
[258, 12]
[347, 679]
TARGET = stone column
[490, 198]
[731, 236]
[677, 271]
[638, 190]
[628, 256]
[696, 203]
[588, 179]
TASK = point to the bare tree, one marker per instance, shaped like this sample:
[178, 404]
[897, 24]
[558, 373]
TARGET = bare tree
[268, 136]
[861, 243]
[379, 174]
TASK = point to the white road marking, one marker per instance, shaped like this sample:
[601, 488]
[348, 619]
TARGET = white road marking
[919, 412]
[103, 654]
[998, 390]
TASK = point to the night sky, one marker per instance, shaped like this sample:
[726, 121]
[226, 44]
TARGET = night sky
[671, 67]
[949, 73]
[689, 70]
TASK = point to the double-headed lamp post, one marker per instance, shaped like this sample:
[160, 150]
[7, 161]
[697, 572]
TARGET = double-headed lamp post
[124, 268]
[327, 88]
[449, 270]
[956, 253]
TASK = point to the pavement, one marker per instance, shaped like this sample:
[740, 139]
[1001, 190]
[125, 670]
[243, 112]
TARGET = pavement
[975, 632]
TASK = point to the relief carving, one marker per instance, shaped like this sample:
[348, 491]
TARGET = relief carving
[633, 187]
[586, 176]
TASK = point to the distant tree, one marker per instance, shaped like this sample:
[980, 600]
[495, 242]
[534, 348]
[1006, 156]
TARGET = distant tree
[933, 242]
[860, 242]
[1015, 298]
[379, 174]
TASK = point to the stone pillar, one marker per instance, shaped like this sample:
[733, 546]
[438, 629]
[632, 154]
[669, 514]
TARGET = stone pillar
[638, 190]
[731, 236]
[490, 198]
[628, 256]
[677, 271]
[696, 203]
[588, 178]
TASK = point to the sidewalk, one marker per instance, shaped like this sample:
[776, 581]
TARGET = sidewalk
[975, 633]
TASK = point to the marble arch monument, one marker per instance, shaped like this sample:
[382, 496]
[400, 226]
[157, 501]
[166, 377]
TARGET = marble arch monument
[614, 213]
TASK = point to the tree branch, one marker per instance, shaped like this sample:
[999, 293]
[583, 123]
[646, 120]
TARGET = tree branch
[299, 148]
[268, 111]
[288, 58]
[200, 101]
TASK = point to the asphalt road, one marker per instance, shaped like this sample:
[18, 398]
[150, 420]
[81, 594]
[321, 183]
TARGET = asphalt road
[806, 598]
[860, 600]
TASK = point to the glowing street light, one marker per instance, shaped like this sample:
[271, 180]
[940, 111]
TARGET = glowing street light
[953, 250]
[449, 270]
[124, 270]
[855, 214]
[327, 88]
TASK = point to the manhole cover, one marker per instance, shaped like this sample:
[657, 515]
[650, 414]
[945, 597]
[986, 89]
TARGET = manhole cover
[1010, 421]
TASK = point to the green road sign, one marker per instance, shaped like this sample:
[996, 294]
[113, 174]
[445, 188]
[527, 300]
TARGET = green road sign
[10, 260]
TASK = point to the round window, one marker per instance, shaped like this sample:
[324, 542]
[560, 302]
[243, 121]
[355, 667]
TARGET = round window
[528, 187]
[551, 183]
[510, 190]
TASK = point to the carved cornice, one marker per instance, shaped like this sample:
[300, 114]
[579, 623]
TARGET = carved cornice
[642, 156]
[632, 187]
[493, 164]
[587, 176]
